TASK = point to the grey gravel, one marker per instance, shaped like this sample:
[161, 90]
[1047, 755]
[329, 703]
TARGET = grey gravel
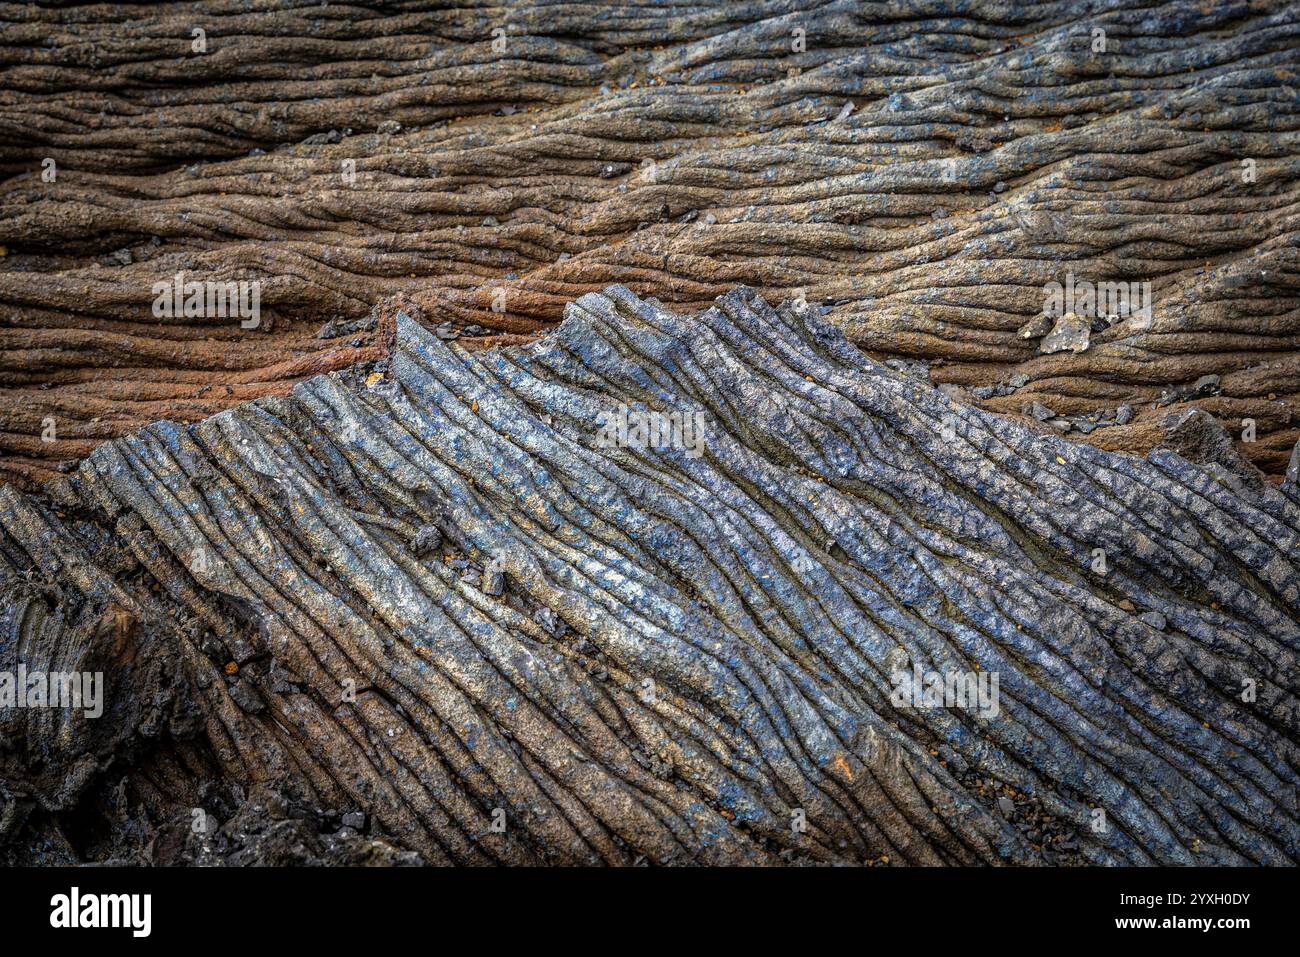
[1154, 619]
[338, 327]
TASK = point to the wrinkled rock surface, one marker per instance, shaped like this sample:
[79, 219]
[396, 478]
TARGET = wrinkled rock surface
[692, 654]
[920, 172]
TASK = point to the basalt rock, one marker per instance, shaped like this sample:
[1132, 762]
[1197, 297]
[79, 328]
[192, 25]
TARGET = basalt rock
[922, 174]
[715, 655]
[1069, 332]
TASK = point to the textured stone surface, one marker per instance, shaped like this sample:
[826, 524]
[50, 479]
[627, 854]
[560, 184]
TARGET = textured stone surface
[691, 651]
[925, 172]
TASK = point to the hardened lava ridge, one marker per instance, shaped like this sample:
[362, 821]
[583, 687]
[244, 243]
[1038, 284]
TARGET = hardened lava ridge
[427, 598]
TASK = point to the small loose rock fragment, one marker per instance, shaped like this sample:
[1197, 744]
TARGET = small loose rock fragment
[337, 328]
[427, 539]
[244, 693]
[355, 820]
[1207, 385]
[915, 369]
[1070, 332]
[1201, 438]
[323, 139]
[551, 623]
[1040, 325]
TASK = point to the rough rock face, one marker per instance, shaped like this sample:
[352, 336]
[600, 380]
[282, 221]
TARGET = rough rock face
[709, 638]
[924, 172]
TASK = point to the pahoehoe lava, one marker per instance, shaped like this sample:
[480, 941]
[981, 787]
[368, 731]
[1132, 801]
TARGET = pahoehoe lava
[923, 171]
[371, 618]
